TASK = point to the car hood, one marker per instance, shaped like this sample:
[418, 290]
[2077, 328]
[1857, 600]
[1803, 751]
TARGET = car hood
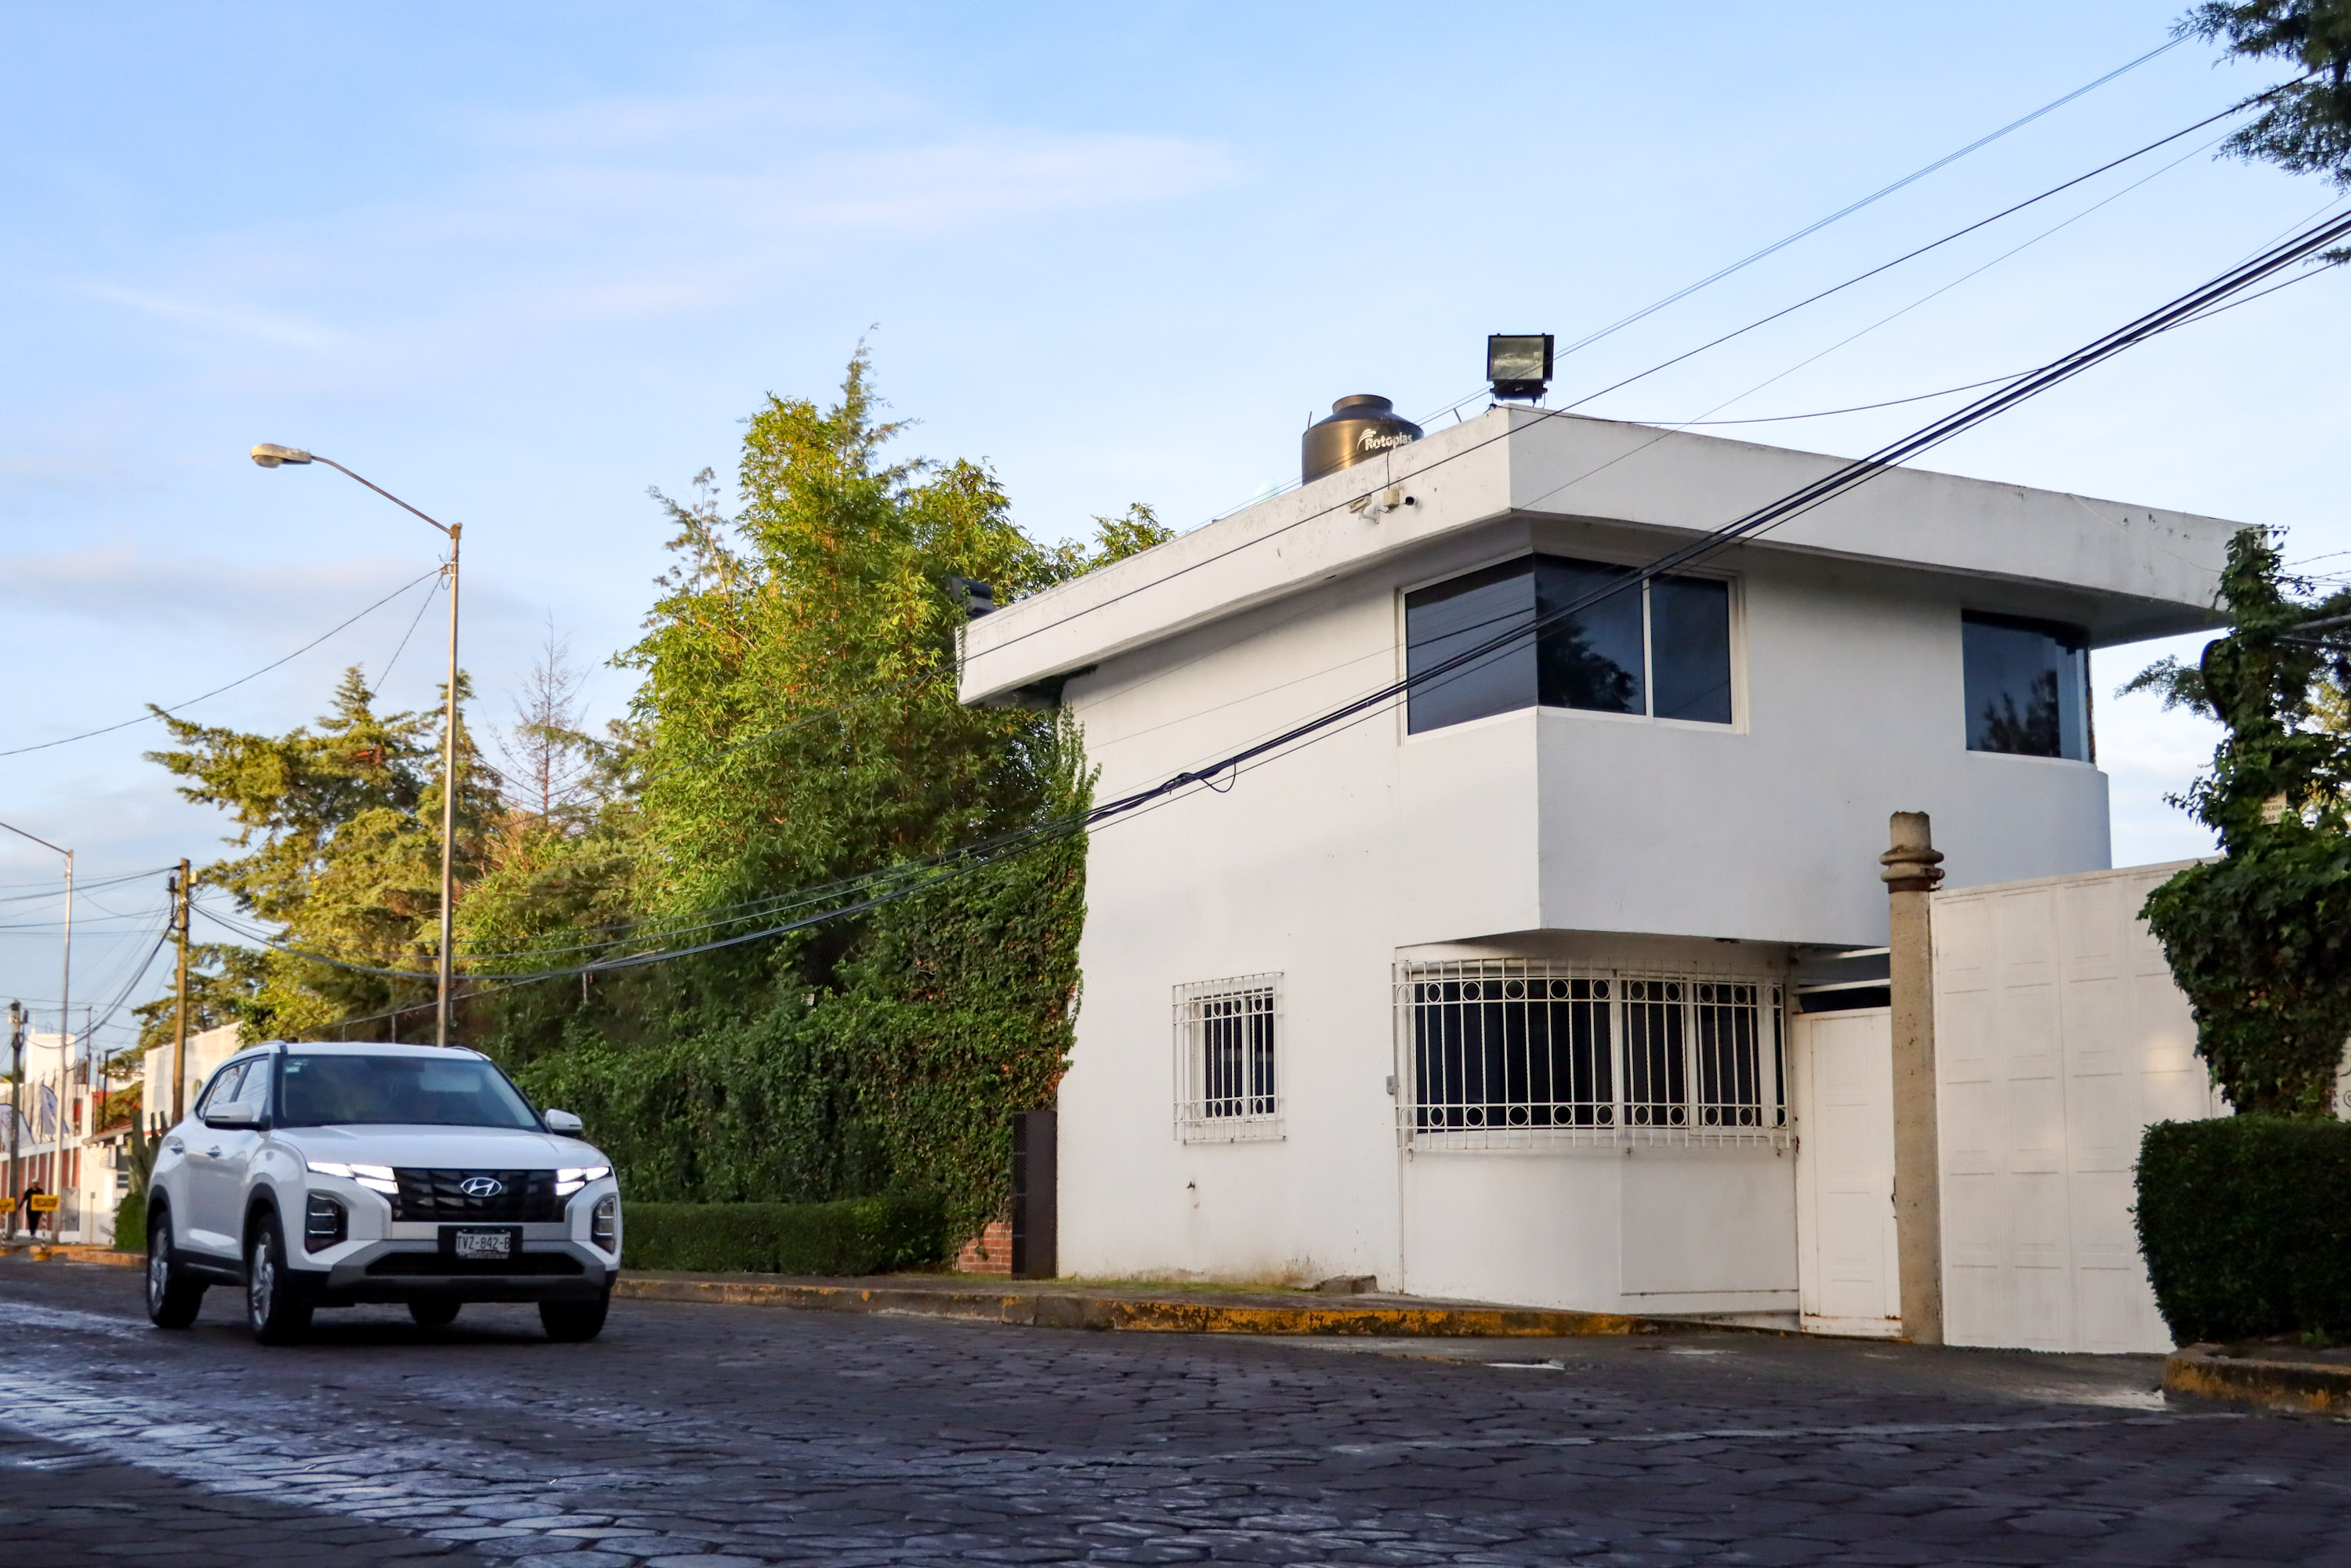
[443, 1148]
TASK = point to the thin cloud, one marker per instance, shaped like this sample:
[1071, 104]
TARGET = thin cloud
[220, 319]
[117, 585]
[597, 234]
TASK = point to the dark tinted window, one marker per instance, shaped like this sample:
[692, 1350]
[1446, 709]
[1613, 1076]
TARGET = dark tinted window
[1593, 658]
[1590, 659]
[1454, 617]
[400, 1090]
[1690, 648]
[2027, 687]
[1512, 1053]
[1237, 1054]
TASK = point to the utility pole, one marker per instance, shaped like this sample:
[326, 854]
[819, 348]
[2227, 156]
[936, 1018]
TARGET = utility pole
[84, 1117]
[180, 1019]
[16, 1111]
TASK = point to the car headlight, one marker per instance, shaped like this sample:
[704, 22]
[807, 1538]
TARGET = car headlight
[375, 1178]
[571, 1178]
[604, 1225]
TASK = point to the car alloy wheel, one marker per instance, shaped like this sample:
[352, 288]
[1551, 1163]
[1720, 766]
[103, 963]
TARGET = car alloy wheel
[173, 1298]
[273, 1308]
[262, 1286]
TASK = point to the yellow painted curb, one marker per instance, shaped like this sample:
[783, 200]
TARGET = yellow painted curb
[73, 1252]
[1070, 1311]
[2316, 1387]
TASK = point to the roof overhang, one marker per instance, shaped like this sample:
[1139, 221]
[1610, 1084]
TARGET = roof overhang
[2126, 571]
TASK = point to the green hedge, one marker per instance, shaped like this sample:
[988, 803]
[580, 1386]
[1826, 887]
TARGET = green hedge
[2245, 1222]
[854, 1236]
[131, 1221]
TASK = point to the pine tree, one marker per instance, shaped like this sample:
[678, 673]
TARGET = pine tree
[340, 826]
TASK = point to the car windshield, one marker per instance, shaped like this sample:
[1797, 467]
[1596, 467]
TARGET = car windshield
[415, 1090]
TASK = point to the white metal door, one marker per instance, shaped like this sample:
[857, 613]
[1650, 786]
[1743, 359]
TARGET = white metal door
[1843, 1106]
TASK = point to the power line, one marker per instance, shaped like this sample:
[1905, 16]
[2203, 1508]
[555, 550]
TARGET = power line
[163, 712]
[1711, 279]
[1932, 294]
[1839, 482]
[423, 605]
[1479, 446]
[79, 886]
[1860, 277]
[1583, 342]
[1968, 386]
[1652, 309]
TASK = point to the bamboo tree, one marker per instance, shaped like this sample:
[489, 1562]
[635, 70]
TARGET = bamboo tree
[2260, 940]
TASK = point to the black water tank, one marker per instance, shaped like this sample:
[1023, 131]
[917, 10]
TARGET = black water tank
[1358, 428]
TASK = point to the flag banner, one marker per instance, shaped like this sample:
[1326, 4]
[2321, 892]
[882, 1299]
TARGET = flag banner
[45, 1115]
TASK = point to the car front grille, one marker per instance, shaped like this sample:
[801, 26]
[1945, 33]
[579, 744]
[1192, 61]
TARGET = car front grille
[439, 1196]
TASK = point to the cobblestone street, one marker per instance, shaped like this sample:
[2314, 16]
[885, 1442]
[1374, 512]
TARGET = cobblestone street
[715, 1436]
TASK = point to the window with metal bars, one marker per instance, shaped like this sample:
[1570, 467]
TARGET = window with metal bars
[1226, 1059]
[1504, 1052]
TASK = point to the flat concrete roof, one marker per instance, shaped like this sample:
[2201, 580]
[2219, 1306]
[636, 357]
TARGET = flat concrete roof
[2136, 571]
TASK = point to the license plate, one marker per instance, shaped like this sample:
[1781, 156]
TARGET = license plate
[494, 1246]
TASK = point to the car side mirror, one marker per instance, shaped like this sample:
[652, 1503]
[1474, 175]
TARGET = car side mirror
[563, 1121]
[233, 1116]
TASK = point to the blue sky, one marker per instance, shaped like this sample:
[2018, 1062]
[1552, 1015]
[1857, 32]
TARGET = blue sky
[521, 262]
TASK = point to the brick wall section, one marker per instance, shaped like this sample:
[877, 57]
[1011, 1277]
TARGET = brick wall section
[990, 1252]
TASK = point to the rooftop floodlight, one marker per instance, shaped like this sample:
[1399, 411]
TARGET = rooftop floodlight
[1519, 364]
[269, 455]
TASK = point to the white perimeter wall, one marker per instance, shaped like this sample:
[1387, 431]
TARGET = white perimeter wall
[2059, 1037]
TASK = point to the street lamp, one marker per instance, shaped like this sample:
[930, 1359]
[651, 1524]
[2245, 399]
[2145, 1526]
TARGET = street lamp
[270, 455]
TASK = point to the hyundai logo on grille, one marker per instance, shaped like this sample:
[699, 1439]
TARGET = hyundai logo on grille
[481, 1187]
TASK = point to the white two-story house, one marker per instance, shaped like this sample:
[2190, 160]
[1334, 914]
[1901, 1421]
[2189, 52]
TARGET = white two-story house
[1486, 992]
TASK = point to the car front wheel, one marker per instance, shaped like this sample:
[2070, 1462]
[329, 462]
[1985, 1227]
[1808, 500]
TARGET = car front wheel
[572, 1322]
[274, 1307]
[172, 1298]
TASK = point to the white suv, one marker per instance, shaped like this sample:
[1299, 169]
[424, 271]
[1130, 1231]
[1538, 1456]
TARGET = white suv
[324, 1175]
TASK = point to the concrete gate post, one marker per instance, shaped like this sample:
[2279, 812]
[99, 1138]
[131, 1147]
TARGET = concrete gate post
[1912, 870]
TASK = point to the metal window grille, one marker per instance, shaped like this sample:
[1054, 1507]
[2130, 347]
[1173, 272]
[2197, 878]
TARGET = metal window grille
[1226, 1052]
[1515, 1053]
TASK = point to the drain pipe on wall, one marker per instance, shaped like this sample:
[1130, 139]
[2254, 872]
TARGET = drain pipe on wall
[1912, 870]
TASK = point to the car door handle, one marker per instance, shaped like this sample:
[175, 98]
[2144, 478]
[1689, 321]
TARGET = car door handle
[214, 1151]
[176, 1147]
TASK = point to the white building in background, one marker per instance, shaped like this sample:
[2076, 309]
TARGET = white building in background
[60, 1148]
[54, 1107]
[1489, 993]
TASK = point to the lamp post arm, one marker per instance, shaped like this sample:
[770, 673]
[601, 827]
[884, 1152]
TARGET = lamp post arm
[379, 490]
[43, 843]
